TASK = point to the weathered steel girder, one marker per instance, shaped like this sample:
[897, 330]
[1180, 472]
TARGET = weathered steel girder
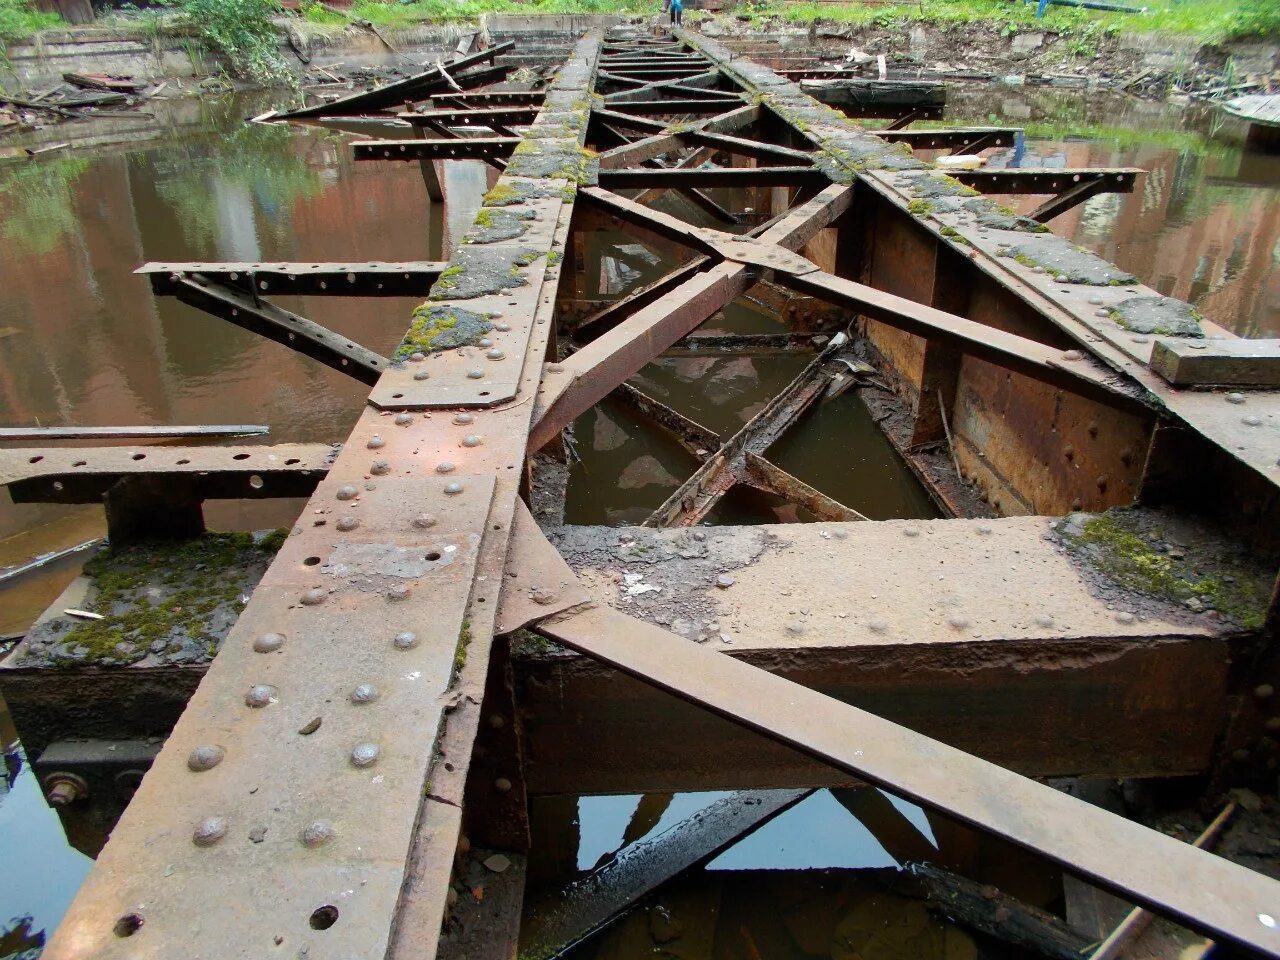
[356, 675]
[410, 279]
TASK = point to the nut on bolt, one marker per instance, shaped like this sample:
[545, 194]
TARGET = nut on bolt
[62, 788]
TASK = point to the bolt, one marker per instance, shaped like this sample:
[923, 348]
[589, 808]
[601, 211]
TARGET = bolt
[260, 695]
[445, 467]
[502, 785]
[421, 375]
[65, 788]
[346, 492]
[397, 593]
[1235, 398]
[1072, 355]
[380, 467]
[724, 581]
[484, 343]
[495, 354]
[364, 754]
[497, 721]
[347, 524]
[205, 757]
[502, 327]
[364, 693]
[475, 374]
[471, 440]
[376, 442]
[1263, 691]
[911, 532]
[417, 357]
[424, 521]
[209, 831]
[958, 621]
[462, 418]
[453, 488]
[406, 640]
[403, 419]
[313, 597]
[269, 642]
[1252, 420]
[1124, 616]
[317, 833]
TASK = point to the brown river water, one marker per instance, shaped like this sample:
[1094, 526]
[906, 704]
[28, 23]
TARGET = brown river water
[84, 342]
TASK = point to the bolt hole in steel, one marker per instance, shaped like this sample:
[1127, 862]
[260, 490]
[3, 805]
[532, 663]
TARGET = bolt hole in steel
[128, 925]
[433, 556]
[35, 459]
[183, 463]
[324, 917]
[311, 561]
[139, 456]
[85, 463]
[241, 456]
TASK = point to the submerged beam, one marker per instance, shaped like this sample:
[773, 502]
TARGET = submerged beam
[1012, 180]
[454, 148]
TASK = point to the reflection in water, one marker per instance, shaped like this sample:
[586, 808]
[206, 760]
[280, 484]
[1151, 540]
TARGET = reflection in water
[824, 878]
[1203, 225]
[41, 871]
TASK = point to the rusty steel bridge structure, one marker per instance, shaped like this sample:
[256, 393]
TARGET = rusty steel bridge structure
[365, 715]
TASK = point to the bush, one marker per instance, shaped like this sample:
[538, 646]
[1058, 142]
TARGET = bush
[242, 31]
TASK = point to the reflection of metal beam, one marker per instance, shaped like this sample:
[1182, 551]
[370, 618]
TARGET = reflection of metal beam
[1225, 900]
[275, 323]
[411, 279]
[1067, 199]
[45, 434]
[770, 477]
[570, 915]
[690, 434]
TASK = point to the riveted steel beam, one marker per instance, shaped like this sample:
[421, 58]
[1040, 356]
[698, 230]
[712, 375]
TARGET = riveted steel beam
[453, 148]
[44, 434]
[1108, 180]
[965, 139]
[409, 279]
[479, 117]
[351, 681]
[247, 310]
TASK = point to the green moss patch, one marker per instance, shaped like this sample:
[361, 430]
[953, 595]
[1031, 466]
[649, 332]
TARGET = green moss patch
[435, 327]
[1136, 550]
[163, 602]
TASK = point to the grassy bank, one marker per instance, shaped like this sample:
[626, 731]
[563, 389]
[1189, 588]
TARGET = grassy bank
[1208, 21]
[19, 20]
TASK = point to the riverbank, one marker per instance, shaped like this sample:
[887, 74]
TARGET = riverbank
[1064, 48]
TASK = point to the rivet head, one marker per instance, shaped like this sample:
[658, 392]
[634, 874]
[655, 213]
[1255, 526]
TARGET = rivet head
[364, 693]
[485, 343]
[1197, 345]
[1044, 621]
[985, 528]
[317, 833]
[397, 593]
[379, 467]
[403, 419]
[1264, 691]
[453, 489]
[424, 521]
[421, 375]
[205, 757]
[209, 831]
[1096, 301]
[260, 695]
[878, 626]
[445, 467]
[502, 785]
[348, 523]
[1072, 355]
[417, 357]
[495, 354]
[346, 492]
[1124, 616]
[313, 597]
[471, 440]
[364, 754]
[463, 418]
[958, 621]
[1235, 398]
[911, 532]
[502, 327]
[1252, 420]
[475, 374]
[376, 443]
[405, 640]
[268, 643]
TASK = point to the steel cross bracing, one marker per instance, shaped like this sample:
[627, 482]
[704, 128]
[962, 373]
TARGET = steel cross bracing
[353, 680]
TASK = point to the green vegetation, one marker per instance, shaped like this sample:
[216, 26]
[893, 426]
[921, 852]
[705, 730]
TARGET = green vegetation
[1116, 543]
[165, 591]
[1211, 21]
[242, 31]
[19, 20]
[37, 203]
[446, 11]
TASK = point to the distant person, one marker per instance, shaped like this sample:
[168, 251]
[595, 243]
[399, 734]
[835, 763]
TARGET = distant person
[677, 13]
